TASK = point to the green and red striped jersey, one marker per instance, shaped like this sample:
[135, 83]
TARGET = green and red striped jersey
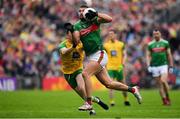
[158, 51]
[89, 35]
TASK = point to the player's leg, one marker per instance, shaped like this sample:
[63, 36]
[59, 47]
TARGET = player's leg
[104, 78]
[80, 88]
[111, 97]
[121, 78]
[111, 92]
[96, 63]
[156, 73]
[164, 79]
[76, 81]
[161, 90]
[88, 71]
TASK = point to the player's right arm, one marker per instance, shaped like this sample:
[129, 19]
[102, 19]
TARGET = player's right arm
[148, 57]
[76, 37]
[104, 18]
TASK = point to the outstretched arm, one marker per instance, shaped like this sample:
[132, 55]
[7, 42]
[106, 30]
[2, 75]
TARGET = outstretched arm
[104, 18]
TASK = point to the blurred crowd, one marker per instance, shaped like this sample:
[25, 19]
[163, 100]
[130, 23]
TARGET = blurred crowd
[31, 29]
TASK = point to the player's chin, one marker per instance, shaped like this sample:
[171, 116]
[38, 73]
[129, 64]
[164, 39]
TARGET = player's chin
[81, 16]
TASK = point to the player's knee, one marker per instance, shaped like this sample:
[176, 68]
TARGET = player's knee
[85, 74]
[80, 88]
[108, 84]
[163, 81]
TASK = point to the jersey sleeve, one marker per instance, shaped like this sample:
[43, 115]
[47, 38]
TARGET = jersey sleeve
[62, 45]
[167, 45]
[105, 46]
[96, 21]
[123, 47]
[149, 47]
[76, 27]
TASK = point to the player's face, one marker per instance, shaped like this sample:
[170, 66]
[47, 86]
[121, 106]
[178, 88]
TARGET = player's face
[156, 35]
[112, 35]
[69, 35]
[80, 12]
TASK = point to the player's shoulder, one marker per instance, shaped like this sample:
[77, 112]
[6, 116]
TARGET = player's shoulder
[77, 23]
[164, 41]
[151, 42]
[106, 44]
[120, 42]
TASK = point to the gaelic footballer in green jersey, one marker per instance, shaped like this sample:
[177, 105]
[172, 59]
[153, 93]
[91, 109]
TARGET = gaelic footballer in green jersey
[88, 32]
[72, 63]
[158, 58]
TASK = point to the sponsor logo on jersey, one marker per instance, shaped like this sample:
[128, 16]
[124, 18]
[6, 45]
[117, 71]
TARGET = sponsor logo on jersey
[88, 30]
[159, 49]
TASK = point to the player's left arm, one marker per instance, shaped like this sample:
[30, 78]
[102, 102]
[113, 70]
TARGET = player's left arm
[170, 59]
[124, 58]
[104, 18]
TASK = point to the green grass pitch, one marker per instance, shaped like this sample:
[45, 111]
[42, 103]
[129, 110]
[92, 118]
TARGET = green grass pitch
[64, 104]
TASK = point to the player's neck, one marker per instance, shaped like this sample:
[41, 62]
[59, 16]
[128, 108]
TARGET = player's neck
[69, 40]
[113, 40]
[157, 40]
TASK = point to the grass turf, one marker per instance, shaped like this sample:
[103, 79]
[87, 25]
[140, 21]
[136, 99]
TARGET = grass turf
[64, 104]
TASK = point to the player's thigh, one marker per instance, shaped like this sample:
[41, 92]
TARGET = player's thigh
[97, 61]
[164, 77]
[164, 72]
[71, 78]
[80, 81]
[91, 68]
[103, 77]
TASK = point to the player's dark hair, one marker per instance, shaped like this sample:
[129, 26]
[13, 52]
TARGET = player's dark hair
[84, 6]
[68, 27]
[113, 30]
[157, 29]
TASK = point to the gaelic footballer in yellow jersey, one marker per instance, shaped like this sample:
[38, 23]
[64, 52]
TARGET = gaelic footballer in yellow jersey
[72, 57]
[116, 59]
[73, 60]
[114, 50]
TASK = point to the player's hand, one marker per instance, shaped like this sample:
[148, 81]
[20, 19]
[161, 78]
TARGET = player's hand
[69, 27]
[91, 14]
[171, 69]
[149, 69]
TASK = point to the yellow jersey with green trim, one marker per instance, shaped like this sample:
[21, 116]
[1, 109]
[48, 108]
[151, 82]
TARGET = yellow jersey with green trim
[115, 54]
[73, 60]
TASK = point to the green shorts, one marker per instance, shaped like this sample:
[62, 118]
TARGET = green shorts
[71, 78]
[115, 74]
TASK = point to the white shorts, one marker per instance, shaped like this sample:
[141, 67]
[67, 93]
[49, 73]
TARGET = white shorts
[159, 70]
[100, 57]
